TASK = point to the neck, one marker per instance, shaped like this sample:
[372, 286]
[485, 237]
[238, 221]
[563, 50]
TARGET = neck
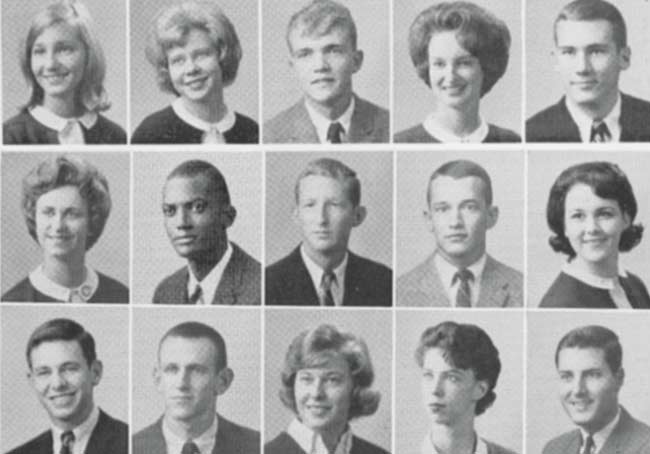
[607, 268]
[460, 121]
[211, 110]
[463, 261]
[331, 437]
[70, 272]
[76, 421]
[193, 428]
[457, 439]
[63, 107]
[334, 109]
[202, 264]
[602, 108]
[327, 260]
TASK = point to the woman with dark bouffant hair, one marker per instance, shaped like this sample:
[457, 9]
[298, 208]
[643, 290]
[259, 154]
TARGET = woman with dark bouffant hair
[591, 210]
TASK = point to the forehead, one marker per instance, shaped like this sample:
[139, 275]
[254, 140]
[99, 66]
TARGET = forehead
[576, 358]
[445, 43]
[185, 188]
[192, 39]
[581, 195]
[444, 188]
[321, 186]
[579, 33]
[62, 196]
[52, 353]
[328, 363]
[303, 36]
[184, 350]
[59, 31]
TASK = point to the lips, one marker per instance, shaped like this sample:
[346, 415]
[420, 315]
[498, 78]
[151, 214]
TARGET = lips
[183, 240]
[580, 405]
[585, 84]
[62, 400]
[456, 237]
[323, 81]
[196, 83]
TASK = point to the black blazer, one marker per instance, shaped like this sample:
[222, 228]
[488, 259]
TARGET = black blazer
[109, 436]
[555, 124]
[367, 283]
[284, 444]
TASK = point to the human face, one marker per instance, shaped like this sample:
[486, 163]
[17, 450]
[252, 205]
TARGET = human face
[593, 226]
[194, 68]
[588, 387]
[58, 61]
[460, 218]
[324, 65]
[325, 214]
[195, 217]
[589, 62]
[62, 222]
[64, 381]
[449, 393]
[188, 379]
[323, 396]
[455, 75]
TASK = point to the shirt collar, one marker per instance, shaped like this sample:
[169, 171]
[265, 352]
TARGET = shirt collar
[51, 120]
[605, 283]
[427, 446]
[312, 443]
[210, 282]
[205, 442]
[601, 436]
[316, 274]
[81, 433]
[446, 271]
[322, 123]
[436, 130]
[83, 293]
[223, 125]
[585, 122]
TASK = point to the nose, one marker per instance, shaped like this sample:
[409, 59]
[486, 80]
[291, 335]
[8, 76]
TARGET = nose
[322, 214]
[578, 387]
[583, 63]
[591, 224]
[321, 62]
[183, 379]
[57, 222]
[437, 387]
[455, 217]
[450, 70]
[317, 389]
[58, 381]
[183, 219]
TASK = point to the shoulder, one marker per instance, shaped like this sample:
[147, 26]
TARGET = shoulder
[21, 292]
[415, 134]
[146, 440]
[494, 448]
[415, 276]
[421, 286]
[156, 126]
[361, 446]
[498, 134]
[282, 127]
[110, 291]
[637, 105]
[246, 440]
[559, 444]
[634, 432]
[41, 444]
[553, 124]
[284, 265]
[244, 261]
[569, 292]
[106, 131]
[169, 288]
[24, 129]
[110, 436]
[504, 272]
[366, 107]
[282, 444]
[245, 130]
[370, 269]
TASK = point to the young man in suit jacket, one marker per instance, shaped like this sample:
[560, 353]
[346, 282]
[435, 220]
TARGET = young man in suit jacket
[197, 210]
[321, 270]
[460, 273]
[191, 372]
[589, 365]
[64, 370]
[591, 49]
[322, 40]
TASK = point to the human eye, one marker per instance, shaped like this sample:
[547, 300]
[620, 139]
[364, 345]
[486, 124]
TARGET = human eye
[427, 375]
[170, 369]
[606, 214]
[38, 50]
[42, 372]
[199, 206]
[302, 53]
[438, 63]
[566, 376]
[47, 211]
[568, 51]
[176, 60]
[577, 215]
[441, 208]
[305, 378]
[169, 210]
[471, 206]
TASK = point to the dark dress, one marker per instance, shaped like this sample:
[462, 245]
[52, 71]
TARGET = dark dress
[165, 126]
[285, 444]
[417, 134]
[567, 291]
[109, 290]
[25, 129]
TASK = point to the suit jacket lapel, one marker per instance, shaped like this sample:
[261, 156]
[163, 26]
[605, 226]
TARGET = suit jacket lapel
[567, 127]
[362, 122]
[431, 284]
[100, 436]
[228, 289]
[303, 130]
[298, 284]
[494, 290]
[621, 437]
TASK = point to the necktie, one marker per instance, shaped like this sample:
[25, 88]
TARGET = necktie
[326, 298]
[464, 294]
[67, 440]
[190, 448]
[213, 136]
[588, 445]
[334, 132]
[197, 295]
[600, 132]
[71, 134]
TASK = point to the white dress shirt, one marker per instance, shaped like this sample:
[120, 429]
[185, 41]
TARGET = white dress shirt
[322, 123]
[205, 442]
[602, 435]
[585, 122]
[81, 433]
[446, 271]
[316, 273]
[611, 284]
[210, 282]
[212, 132]
[68, 130]
[79, 294]
[312, 443]
[445, 136]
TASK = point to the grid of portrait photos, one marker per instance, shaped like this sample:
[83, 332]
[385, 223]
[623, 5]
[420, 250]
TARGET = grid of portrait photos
[325, 227]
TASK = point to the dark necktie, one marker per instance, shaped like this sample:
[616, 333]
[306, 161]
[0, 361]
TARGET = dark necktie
[197, 295]
[600, 132]
[464, 294]
[588, 445]
[67, 440]
[334, 132]
[326, 298]
[190, 448]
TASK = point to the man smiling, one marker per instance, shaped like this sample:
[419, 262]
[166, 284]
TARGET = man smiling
[590, 371]
[64, 370]
[322, 40]
[460, 273]
[591, 50]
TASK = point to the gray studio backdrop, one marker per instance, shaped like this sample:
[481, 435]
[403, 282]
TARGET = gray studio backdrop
[240, 329]
[412, 97]
[21, 254]
[23, 417]
[372, 239]
[544, 166]
[154, 257]
[415, 241]
[501, 423]
[281, 88]
[110, 21]
[546, 418]
[146, 97]
[544, 85]
[373, 325]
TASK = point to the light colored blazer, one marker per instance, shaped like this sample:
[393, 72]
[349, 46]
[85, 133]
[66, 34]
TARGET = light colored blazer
[630, 436]
[501, 286]
[370, 123]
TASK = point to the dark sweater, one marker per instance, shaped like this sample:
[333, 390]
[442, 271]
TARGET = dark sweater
[417, 134]
[285, 444]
